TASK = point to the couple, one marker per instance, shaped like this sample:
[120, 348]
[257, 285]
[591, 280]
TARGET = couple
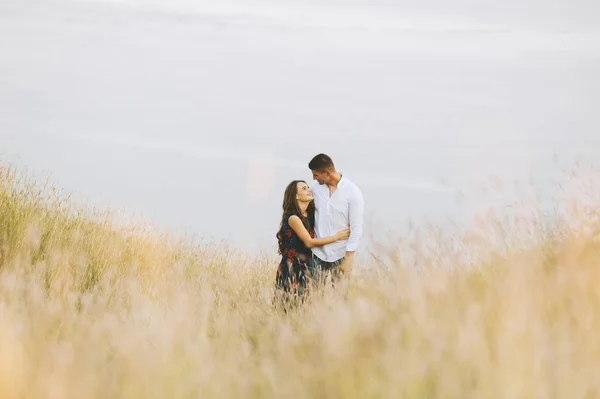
[320, 230]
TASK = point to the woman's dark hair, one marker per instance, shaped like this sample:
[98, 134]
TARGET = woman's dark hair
[290, 207]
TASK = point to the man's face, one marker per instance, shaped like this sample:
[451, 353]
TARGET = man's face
[322, 177]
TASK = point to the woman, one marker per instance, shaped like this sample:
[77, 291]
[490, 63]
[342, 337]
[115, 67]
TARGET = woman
[296, 236]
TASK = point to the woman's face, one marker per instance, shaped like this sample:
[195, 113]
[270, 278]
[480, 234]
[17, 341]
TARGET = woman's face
[303, 193]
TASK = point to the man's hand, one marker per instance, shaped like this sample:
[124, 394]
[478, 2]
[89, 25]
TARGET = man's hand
[346, 266]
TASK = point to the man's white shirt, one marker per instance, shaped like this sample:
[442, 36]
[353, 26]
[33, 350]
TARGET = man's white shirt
[345, 208]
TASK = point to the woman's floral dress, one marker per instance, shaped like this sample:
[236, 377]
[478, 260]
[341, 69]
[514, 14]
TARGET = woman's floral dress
[293, 271]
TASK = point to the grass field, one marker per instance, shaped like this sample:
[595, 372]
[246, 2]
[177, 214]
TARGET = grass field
[93, 307]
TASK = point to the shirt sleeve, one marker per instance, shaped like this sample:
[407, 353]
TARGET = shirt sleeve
[356, 206]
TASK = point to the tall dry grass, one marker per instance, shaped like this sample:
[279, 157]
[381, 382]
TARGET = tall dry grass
[94, 308]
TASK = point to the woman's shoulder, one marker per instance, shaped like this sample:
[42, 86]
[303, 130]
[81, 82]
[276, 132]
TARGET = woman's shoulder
[294, 222]
[292, 217]
[288, 220]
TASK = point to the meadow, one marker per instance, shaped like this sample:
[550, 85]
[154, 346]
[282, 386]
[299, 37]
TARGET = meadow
[96, 305]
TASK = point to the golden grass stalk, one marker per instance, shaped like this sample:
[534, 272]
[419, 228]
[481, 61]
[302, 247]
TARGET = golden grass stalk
[94, 308]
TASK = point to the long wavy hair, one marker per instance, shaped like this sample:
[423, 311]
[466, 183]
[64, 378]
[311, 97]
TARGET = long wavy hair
[290, 207]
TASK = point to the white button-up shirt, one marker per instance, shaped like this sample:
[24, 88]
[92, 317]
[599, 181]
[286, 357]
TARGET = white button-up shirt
[345, 208]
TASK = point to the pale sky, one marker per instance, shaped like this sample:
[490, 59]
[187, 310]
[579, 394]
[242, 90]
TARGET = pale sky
[198, 113]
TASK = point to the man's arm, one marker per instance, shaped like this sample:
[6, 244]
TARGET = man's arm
[356, 209]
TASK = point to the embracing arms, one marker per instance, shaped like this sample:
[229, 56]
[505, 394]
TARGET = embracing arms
[298, 227]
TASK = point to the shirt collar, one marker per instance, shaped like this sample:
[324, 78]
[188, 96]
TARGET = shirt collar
[342, 180]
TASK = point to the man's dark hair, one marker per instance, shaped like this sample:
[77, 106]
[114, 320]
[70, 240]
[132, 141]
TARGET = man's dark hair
[321, 162]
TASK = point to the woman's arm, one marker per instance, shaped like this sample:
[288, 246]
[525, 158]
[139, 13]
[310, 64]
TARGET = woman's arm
[297, 225]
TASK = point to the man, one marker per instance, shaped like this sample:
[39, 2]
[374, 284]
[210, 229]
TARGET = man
[339, 203]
